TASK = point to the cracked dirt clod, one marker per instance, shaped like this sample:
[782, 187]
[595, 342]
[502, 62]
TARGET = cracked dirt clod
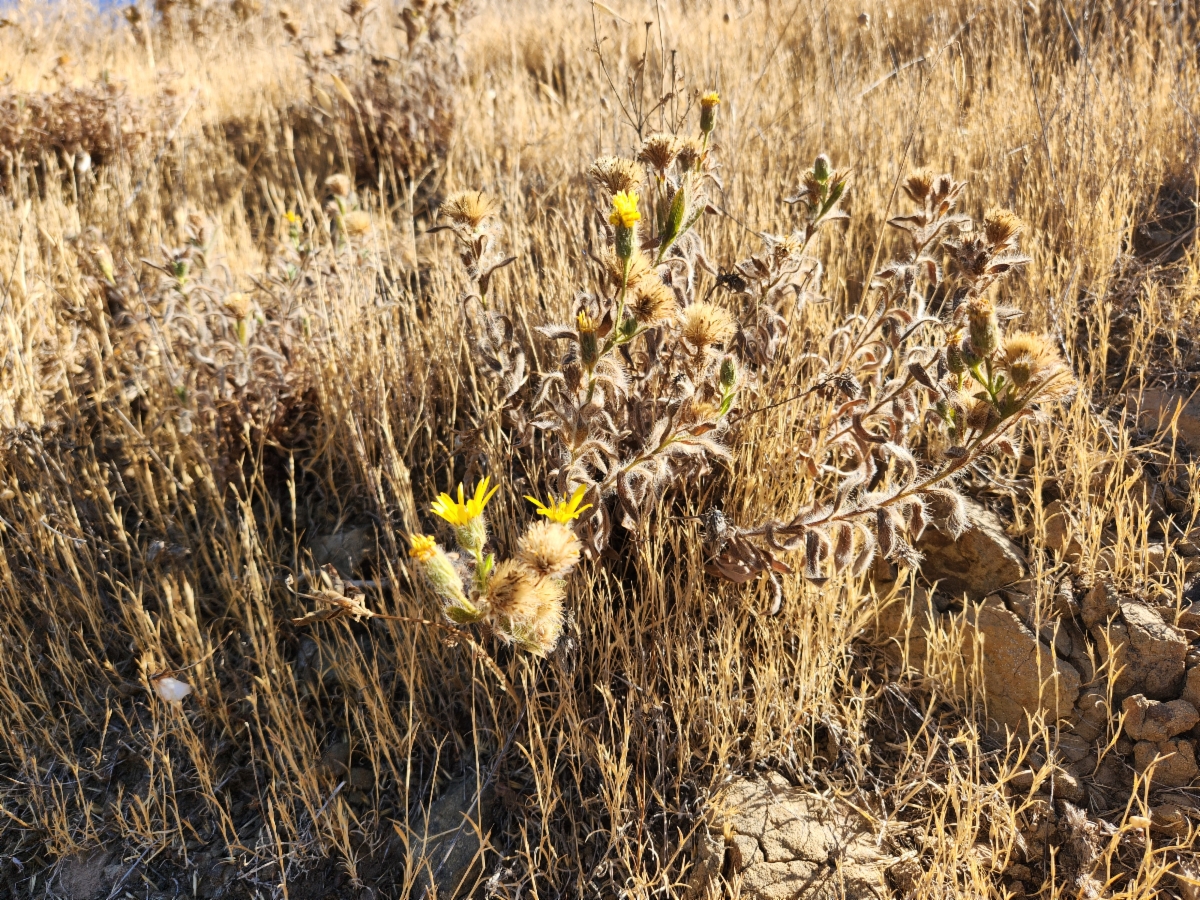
[790, 844]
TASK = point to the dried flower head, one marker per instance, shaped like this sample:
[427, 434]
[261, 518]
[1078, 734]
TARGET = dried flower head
[625, 209]
[615, 267]
[549, 549]
[918, 184]
[659, 151]
[1001, 226]
[469, 208]
[615, 174]
[653, 302]
[704, 324]
[339, 185]
[690, 153]
[1032, 360]
[357, 223]
[512, 590]
[237, 304]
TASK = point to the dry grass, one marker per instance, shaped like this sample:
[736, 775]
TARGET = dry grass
[170, 461]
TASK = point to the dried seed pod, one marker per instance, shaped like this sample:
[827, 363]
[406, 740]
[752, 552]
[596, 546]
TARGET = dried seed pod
[885, 530]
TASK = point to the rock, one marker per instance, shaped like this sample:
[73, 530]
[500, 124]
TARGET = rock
[784, 841]
[1176, 762]
[981, 561]
[1191, 687]
[446, 843]
[1148, 653]
[1157, 408]
[708, 858]
[344, 550]
[1021, 674]
[1168, 818]
[1074, 746]
[1066, 786]
[1149, 720]
[906, 873]
[1060, 533]
[1100, 604]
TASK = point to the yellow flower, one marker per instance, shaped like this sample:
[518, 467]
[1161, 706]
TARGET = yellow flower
[291, 218]
[464, 511]
[423, 549]
[709, 100]
[625, 212]
[585, 322]
[564, 510]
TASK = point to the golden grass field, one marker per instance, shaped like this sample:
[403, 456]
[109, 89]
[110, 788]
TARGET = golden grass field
[202, 400]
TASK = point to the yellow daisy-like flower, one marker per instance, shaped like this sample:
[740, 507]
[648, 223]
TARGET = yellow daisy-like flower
[464, 511]
[625, 212]
[586, 322]
[423, 548]
[564, 510]
[291, 218]
[709, 100]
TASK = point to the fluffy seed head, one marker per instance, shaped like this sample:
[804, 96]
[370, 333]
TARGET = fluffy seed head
[549, 548]
[469, 208]
[512, 590]
[703, 324]
[660, 151]
[237, 304]
[653, 302]
[615, 174]
[339, 185]
[1032, 359]
[357, 223]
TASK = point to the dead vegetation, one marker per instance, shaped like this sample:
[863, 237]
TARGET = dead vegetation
[233, 384]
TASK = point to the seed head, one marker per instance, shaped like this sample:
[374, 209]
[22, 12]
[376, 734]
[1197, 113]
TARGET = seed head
[512, 590]
[653, 302]
[469, 208]
[659, 151]
[237, 304]
[690, 152]
[1033, 359]
[549, 549]
[616, 174]
[357, 223]
[339, 185]
[703, 324]
[918, 184]
[1000, 226]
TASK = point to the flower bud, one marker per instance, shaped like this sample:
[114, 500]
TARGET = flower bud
[821, 168]
[708, 111]
[728, 374]
[983, 326]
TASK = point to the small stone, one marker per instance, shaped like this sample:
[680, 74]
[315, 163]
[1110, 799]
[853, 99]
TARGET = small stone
[1086, 730]
[1189, 617]
[1150, 720]
[1168, 819]
[446, 843]
[1073, 747]
[1065, 605]
[1085, 767]
[1160, 409]
[906, 873]
[1067, 787]
[1093, 708]
[361, 778]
